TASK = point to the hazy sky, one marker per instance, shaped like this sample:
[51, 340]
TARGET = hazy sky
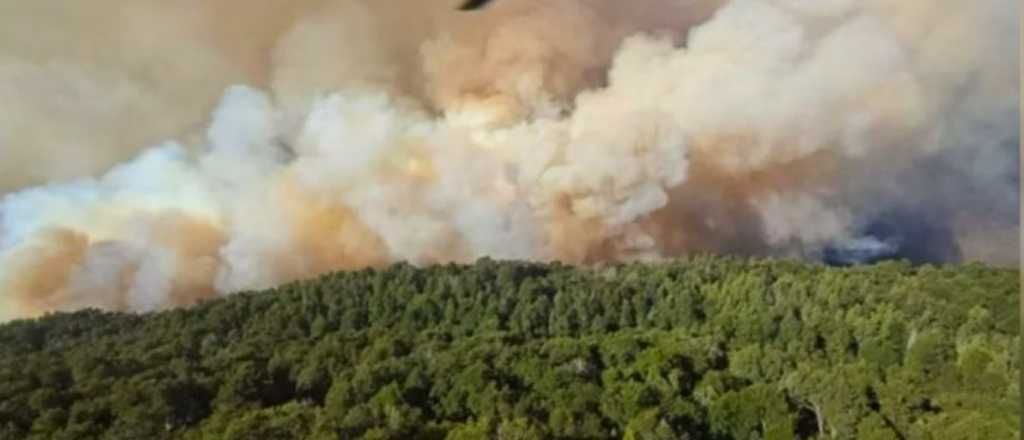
[157, 152]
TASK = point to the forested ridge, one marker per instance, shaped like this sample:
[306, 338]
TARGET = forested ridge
[702, 348]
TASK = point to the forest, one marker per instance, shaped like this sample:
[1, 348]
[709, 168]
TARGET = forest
[697, 348]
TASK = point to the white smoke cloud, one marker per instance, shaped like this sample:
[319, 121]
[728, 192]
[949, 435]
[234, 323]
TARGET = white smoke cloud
[582, 131]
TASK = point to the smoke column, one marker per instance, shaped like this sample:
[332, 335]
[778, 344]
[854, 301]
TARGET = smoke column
[155, 154]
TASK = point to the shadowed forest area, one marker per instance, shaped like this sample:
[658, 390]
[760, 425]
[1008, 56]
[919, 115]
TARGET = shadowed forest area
[703, 348]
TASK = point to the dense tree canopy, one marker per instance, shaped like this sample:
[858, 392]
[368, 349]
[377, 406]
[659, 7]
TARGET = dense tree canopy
[705, 348]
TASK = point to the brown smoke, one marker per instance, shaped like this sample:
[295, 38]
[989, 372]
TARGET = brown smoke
[583, 131]
[72, 73]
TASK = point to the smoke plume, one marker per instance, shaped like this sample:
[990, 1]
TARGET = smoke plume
[348, 133]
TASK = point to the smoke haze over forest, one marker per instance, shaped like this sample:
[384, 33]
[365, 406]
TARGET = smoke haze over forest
[157, 153]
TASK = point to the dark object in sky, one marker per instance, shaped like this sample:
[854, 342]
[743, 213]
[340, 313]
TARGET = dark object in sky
[471, 5]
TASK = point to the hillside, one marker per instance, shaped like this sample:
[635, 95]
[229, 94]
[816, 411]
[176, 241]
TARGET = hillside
[705, 348]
